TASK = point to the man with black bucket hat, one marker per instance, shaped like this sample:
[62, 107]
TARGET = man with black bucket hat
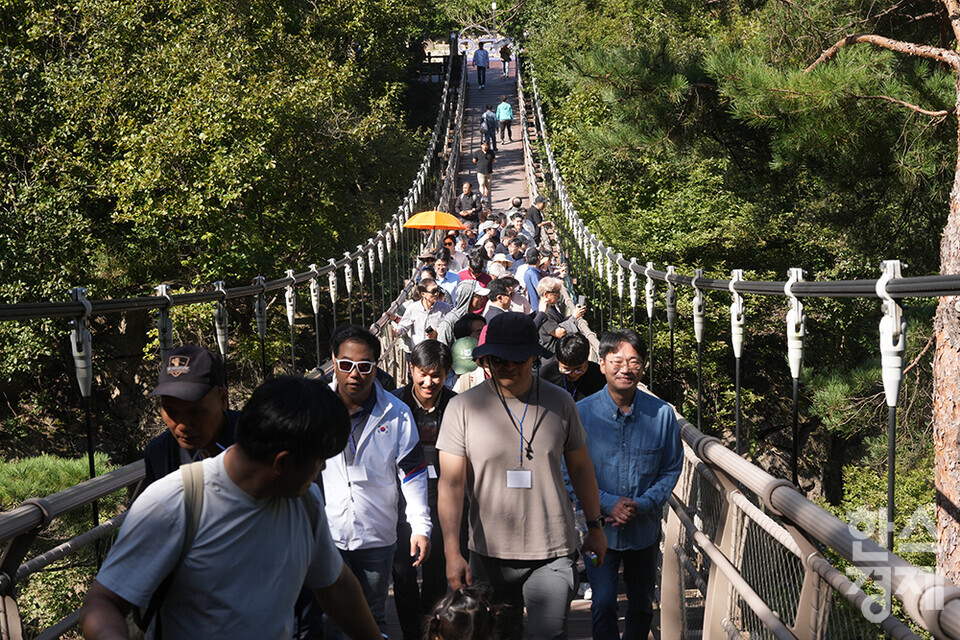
[505, 441]
[193, 405]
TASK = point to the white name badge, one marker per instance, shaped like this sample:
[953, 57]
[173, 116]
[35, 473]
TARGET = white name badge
[431, 472]
[356, 473]
[519, 479]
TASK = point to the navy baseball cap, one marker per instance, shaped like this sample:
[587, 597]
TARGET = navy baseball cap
[511, 336]
[188, 373]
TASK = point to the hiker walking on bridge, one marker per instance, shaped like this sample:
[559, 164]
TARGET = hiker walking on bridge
[481, 60]
[636, 436]
[260, 532]
[503, 442]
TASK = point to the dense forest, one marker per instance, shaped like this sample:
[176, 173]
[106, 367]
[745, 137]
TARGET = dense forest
[187, 142]
[703, 135]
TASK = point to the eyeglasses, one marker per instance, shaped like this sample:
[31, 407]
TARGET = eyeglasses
[633, 364]
[432, 292]
[363, 366]
[448, 243]
[565, 370]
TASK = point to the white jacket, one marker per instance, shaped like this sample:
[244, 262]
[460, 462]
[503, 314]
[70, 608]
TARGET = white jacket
[362, 514]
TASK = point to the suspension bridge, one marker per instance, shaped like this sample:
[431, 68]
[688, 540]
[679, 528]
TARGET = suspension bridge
[745, 554]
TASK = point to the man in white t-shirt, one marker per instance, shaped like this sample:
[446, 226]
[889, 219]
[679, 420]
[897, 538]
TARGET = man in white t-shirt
[256, 543]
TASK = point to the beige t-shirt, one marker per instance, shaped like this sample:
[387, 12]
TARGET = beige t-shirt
[507, 523]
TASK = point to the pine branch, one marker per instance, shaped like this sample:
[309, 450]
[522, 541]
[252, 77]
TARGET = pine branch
[907, 48]
[912, 107]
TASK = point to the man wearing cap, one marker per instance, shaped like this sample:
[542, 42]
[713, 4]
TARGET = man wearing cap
[193, 405]
[261, 532]
[469, 373]
[427, 398]
[637, 437]
[505, 441]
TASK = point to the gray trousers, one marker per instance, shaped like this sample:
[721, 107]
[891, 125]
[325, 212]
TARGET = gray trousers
[545, 587]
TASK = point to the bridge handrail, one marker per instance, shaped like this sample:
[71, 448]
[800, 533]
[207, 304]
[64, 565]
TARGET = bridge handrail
[929, 599]
[28, 517]
[898, 288]
[447, 194]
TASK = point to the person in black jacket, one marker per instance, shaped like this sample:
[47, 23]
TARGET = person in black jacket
[468, 205]
[427, 397]
[193, 405]
[572, 369]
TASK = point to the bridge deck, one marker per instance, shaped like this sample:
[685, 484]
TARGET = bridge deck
[508, 177]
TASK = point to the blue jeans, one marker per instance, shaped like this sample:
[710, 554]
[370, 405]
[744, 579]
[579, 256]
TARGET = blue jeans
[481, 76]
[640, 577]
[373, 569]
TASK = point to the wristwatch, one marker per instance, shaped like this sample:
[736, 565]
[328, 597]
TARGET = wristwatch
[596, 523]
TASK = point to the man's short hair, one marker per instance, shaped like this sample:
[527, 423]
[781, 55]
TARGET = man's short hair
[489, 107]
[573, 349]
[443, 254]
[462, 327]
[548, 284]
[508, 233]
[515, 242]
[351, 332]
[516, 202]
[510, 280]
[498, 287]
[295, 414]
[431, 355]
[427, 273]
[425, 284]
[610, 340]
[532, 256]
[477, 260]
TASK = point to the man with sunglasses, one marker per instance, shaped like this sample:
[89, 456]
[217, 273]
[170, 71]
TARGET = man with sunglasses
[505, 441]
[572, 370]
[636, 436]
[422, 317]
[361, 483]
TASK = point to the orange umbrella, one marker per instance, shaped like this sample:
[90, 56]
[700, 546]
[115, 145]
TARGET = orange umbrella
[433, 220]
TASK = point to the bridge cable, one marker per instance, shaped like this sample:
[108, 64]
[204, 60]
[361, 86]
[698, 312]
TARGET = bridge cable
[82, 347]
[649, 291]
[893, 332]
[260, 313]
[290, 298]
[796, 332]
[221, 325]
[699, 314]
[736, 335]
[671, 299]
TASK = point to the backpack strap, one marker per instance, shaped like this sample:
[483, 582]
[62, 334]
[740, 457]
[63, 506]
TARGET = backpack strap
[312, 510]
[192, 506]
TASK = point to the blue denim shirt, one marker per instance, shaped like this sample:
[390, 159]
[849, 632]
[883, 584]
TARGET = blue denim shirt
[638, 456]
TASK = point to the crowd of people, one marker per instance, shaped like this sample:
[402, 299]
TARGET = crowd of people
[462, 488]
[317, 495]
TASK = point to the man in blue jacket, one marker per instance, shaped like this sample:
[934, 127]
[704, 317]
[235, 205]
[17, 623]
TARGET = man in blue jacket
[634, 441]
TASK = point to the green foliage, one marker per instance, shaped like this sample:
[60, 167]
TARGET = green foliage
[194, 141]
[691, 134]
[49, 595]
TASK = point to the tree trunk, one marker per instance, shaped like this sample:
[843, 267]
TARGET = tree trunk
[946, 393]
